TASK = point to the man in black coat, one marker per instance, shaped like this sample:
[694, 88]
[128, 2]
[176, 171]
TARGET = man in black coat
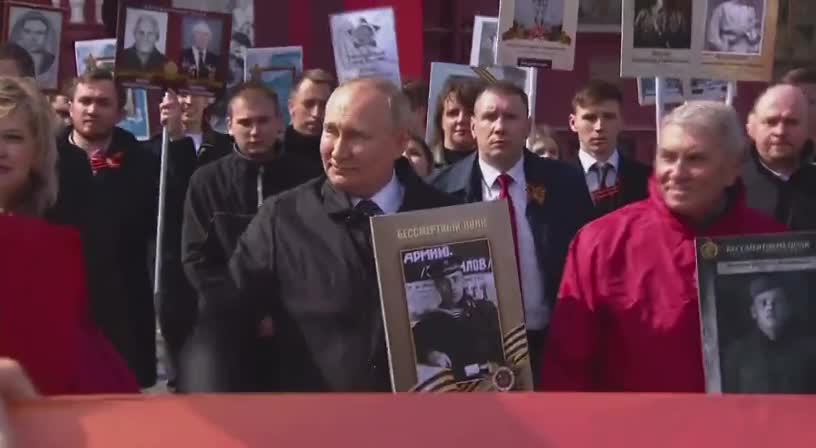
[307, 107]
[306, 259]
[548, 199]
[778, 180]
[612, 180]
[119, 212]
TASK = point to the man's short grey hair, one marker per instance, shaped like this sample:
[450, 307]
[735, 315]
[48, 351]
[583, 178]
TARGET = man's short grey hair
[149, 19]
[202, 27]
[398, 104]
[713, 118]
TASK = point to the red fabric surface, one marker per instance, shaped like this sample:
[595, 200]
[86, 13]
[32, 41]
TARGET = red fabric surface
[627, 316]
[44, 320]
[410, 421]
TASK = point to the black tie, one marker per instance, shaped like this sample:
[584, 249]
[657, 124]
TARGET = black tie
[366, 209]
[200, 61]
[602, 173]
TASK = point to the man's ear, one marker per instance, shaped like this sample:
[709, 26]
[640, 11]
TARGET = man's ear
[750, 124]
[572, 119]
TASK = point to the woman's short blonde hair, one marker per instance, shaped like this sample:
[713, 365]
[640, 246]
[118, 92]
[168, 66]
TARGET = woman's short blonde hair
[18, 95]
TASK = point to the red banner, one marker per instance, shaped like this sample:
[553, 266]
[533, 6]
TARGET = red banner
[412, 421]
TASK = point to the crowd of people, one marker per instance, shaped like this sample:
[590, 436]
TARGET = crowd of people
[269, 282]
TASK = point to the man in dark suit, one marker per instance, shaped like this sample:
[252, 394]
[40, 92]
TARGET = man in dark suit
[547, 198]
[306, 259]
[612, 179]
[143, 56]
[198, 61]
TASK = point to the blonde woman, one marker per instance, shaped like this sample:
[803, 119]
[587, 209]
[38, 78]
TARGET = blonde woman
[543, 143]
[46, 326]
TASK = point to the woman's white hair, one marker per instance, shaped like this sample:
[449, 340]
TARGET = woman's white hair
[21, 95]
[715, 119]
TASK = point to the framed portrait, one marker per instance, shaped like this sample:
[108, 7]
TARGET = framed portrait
[483, 46]
[674, 91]
[708, 89]
[599, 16]
[90, 54]
[365, 45]
[758, 327]
[160, 48]
[451, 299]
[740, 40]
[537, 33]
[443, 73]
[278, 68]
[38, 30]
[137, 118]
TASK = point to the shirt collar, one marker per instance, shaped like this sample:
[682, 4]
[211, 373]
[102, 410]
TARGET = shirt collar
[389, 198]
[490, 174]
[587, 160]
[781, 176]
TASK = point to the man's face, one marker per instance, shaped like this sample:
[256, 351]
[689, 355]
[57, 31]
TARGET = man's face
[500, 126]
[456, 124]
[254, 123]
[192, 109]
[95, 109]
[360, 141]
[778, 126]
[451, 288]
[202, 38]
[597, 126]
[146, 36]
[771, 311]
[307, 107]
[33, 36]
[693, 172]
[62, 108]
[810, 93]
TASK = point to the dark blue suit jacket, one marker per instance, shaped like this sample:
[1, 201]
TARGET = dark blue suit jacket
[565, 209]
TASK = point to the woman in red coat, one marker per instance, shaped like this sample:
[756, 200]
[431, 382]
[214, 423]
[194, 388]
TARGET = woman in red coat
[44, 319]
[627, 315]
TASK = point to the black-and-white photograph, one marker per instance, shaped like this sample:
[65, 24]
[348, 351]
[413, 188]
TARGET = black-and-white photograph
[201, 45]
[483, 44]
[453, 309]
[599, 16]
[38, 31]
[145, 41]
[735, 26]
[759, 329]
[662, 24]
[538, 14]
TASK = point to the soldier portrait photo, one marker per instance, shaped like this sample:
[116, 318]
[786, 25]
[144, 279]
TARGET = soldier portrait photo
[201, 47]
[145, 42]
[767, 342]
[452, 304]
[38, 31]
[735, 26]
[662, 24]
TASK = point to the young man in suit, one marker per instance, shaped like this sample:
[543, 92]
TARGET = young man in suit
[611, 179]
[306, 260]
[547, 198]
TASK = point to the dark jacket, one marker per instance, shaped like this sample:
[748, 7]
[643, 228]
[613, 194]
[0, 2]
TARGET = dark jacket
[305, 146]
[792, 202]
[300, 259]
[222, 199]
[633, 183]
[129, 60]
[565, 209]
[75, 184]
[188, 67]
[119, 222]
[176, 300]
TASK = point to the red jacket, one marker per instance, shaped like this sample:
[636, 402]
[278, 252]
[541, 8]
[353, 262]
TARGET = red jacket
[627, 316]
[44, 319]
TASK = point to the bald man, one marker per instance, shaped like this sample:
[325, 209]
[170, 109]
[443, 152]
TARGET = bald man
[778, 180]
[306, 259]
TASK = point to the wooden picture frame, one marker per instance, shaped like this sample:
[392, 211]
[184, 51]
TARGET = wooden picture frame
[46, 31]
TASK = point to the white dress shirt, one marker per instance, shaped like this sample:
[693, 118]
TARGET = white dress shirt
[198, 139]
[536, 308]
[389, 198]
[593, 178]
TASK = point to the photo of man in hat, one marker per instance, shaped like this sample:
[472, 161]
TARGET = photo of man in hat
[462, 333]
[773, 357]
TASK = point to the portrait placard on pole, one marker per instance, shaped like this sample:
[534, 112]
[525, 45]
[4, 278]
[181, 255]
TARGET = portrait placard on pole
[278, 68]
[537, 33]
[365, 45]
[38, 30]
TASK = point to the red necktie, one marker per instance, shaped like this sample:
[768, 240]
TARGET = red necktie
[504, 193]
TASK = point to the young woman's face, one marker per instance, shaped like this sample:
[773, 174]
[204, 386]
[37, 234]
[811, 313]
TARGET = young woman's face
[17, 157]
